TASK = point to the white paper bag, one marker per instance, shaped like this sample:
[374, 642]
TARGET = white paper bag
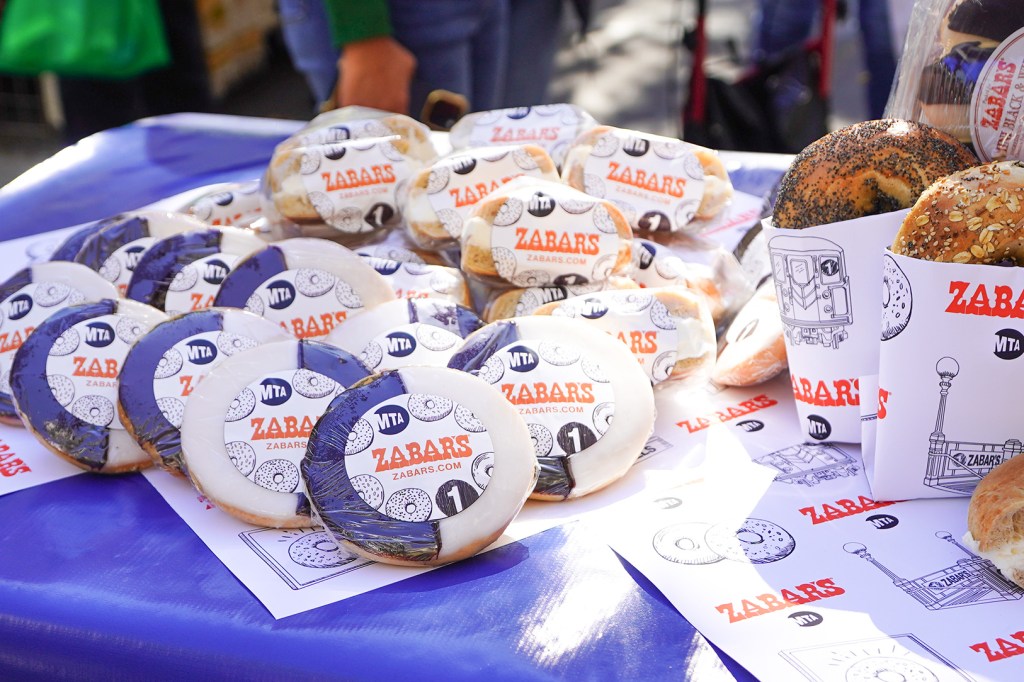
[828, 280]
[951, 378]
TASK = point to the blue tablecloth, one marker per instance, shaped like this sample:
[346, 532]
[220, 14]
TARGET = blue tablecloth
[100, 579]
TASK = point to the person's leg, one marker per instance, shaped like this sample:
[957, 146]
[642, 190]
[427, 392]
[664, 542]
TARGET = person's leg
[442, 34]
[879, 57]
[307, 37]
[535, 31]
[491, 48]
[781, 24]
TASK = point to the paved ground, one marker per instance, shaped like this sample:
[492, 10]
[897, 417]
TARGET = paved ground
[631, 71]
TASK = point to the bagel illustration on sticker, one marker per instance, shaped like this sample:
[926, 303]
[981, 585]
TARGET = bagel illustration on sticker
[755, 541]
[897, 299]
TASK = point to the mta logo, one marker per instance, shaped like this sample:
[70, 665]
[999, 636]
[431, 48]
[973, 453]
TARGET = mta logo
[201, 352]
[19, 306]
[392, 419]
[274, 391]
[132, 255]
[541, 204]
[636, 146]
[215, 271]
[593, 308]
[400, 344]
[384, 266]
[280, 294]
[99, 334]
[521, 358]
[646, 255]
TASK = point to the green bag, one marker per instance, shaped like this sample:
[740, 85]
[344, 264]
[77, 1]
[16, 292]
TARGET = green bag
[104, 38]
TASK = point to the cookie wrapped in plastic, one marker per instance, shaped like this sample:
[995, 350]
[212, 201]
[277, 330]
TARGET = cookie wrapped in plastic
[418, 466]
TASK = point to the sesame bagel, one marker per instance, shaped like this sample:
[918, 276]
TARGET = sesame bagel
[866, 169]
[972, 216]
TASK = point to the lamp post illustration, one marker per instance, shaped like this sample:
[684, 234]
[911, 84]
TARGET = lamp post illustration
[957, 466]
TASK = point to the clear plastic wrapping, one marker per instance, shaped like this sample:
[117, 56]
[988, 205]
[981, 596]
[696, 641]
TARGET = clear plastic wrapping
[962, 70]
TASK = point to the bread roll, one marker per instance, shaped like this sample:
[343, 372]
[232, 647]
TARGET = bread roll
[995, 519]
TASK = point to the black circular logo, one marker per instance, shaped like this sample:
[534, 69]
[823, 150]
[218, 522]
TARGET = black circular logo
[454, 496]
[541, 204]
[646, 254]
[636, 146]
[883, 521]
[750, 425]
[281, 294]
[392, 419]
[132, 255]
[400, 344]
[334, 151]
[222, 198]
[818, 427]
[201, 352]
[379, 215]
[570, 279]
[806, 619]
[384, 266]
[19, 306]
[99, 334]
[274, 391]
[518, 113]
[1009, 344]
[464, 165]
[829, 267]
[215, 271]
[653, 221]
[575, 437]
[521, 358]
[593, 308]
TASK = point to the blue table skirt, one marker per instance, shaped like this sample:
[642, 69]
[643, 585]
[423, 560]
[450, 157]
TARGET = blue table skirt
[100, 579]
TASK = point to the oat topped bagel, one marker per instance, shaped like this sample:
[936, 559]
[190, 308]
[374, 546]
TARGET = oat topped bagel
[865, 169]
[973, 216]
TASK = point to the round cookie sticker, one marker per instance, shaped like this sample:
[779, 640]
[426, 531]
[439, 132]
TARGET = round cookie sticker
[562, 393]
[269, 422]
[419, 457]
[84, 363]
[308, 302]
[195, 286]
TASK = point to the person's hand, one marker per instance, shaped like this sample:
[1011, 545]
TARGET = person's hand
[375, 72]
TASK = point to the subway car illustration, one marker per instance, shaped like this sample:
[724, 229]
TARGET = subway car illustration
[813, 289]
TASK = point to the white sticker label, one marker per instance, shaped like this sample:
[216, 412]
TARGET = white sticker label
[658, 182]
[410, 344]
[22, 312]
[269, 422]
[459, 182]
[997, 127]
[639, 321]
[416, 280]
[419, 457]
[553, 127]
[84, 363]
[196, 285]
[306, 302]
[554, 237]
[562, 393]
[120, 265]
[353, 187]
[185, 364]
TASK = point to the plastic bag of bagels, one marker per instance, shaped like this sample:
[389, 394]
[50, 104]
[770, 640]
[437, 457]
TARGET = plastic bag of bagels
[839, 206]
[951, 365]
[962, 71]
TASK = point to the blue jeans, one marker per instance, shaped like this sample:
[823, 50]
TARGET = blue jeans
[786, 23]
[459, 45]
